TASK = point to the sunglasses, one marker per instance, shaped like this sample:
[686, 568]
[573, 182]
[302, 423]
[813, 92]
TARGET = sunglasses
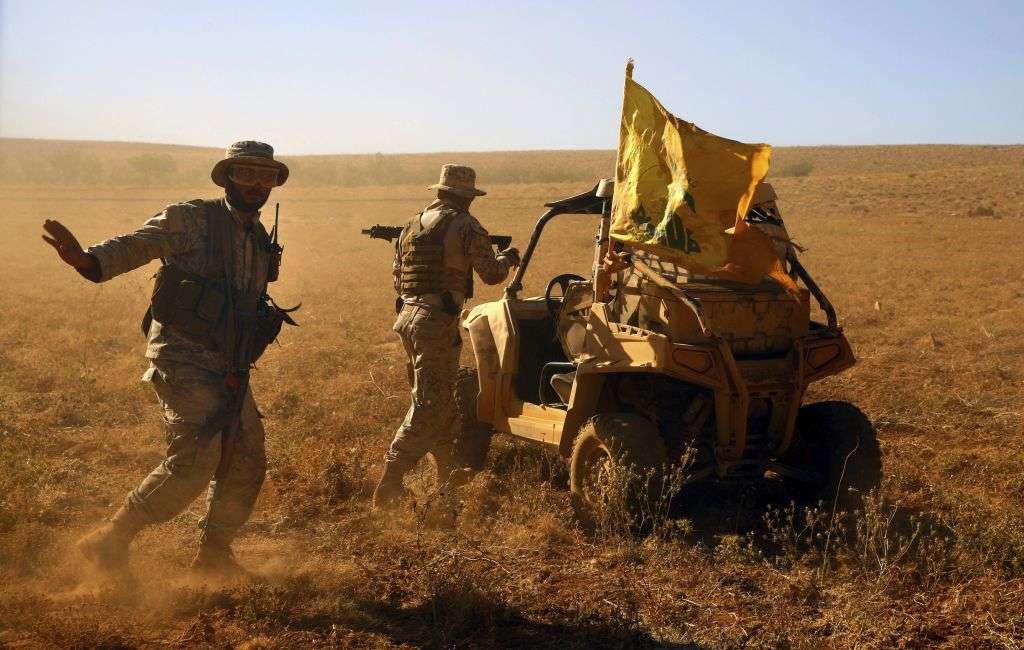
[253, 175]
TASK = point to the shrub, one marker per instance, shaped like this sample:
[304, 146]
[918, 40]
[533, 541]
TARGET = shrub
[796, 169]
[982, 211]
[153, 167]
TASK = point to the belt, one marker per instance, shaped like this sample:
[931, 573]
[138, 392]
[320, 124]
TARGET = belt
[430, 299]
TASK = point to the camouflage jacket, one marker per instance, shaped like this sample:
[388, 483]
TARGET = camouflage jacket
[467, 247]
[178, 235]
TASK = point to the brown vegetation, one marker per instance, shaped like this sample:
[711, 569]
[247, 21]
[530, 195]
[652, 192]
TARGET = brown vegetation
[931, 299]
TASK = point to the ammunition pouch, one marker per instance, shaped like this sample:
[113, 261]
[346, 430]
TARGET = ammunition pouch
[192, 306]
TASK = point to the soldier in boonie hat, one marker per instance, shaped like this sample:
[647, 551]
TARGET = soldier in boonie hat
[200, 351]
[457, 179]
[436, 256]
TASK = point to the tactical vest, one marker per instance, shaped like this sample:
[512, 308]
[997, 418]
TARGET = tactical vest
[208, 309]
[423, 267]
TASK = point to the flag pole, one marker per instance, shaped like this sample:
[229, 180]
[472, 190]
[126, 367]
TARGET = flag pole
[602, 281]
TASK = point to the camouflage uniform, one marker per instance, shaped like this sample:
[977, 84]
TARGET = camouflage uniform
[189, 379]
[431, 338]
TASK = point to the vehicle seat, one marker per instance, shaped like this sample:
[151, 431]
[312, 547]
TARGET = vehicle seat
[562, 383]
[571, 327]
[556, 383]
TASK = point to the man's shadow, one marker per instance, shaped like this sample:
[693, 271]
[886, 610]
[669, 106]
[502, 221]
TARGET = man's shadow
[468, 618]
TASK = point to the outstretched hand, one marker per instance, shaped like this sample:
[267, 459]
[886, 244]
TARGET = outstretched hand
[512, 255]
[67, 246]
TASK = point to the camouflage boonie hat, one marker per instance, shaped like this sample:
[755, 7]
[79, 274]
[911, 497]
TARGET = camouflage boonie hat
[248, 152]
[458, 179]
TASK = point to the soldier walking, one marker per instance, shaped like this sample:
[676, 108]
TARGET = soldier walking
[210, 293]
[435, 257]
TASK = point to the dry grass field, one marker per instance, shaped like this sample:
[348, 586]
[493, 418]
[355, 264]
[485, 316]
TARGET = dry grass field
[921, 249]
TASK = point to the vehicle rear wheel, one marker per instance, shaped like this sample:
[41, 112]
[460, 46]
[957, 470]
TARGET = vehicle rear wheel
[837, 443]
[459, 457]
[609, 443]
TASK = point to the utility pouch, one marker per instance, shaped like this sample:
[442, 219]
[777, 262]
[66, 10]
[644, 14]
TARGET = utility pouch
[189, 305]
[211, 303]
[187, 295]
[165, 303]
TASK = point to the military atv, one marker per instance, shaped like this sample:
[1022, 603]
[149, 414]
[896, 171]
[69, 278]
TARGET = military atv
[650, 365]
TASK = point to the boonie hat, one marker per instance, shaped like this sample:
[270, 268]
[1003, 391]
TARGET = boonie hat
[248, 152]
[458, 179]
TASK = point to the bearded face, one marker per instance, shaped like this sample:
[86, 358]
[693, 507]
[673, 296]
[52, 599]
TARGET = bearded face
[246, 198]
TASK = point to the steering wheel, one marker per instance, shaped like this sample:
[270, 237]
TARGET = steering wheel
[553, 302]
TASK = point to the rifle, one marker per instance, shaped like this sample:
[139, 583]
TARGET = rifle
[390, 233]
[238, 386]
[228, 422]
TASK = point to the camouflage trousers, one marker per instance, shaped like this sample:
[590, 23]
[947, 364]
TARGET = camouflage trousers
[189, 396]
[432, 344]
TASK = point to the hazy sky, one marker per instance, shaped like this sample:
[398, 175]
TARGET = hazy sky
[336, 77]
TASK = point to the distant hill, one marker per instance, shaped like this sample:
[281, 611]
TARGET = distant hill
[123, 164]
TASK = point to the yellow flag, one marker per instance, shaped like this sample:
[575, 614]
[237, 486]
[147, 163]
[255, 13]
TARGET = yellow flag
[681, 193]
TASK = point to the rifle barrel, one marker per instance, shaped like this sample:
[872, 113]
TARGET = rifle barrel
[391, 232]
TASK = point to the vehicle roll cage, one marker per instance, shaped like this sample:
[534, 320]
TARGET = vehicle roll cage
[585, 203]
[589, 203]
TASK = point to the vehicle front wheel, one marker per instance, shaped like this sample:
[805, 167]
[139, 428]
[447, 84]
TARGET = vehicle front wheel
[617, 458]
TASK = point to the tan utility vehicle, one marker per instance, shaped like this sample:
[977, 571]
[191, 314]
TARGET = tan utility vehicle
[650, 365]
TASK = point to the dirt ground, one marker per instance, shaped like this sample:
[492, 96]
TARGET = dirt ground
[920, 249]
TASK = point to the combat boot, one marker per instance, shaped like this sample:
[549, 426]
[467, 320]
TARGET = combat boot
[107, 546]
[216, 560]
[389, 491]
